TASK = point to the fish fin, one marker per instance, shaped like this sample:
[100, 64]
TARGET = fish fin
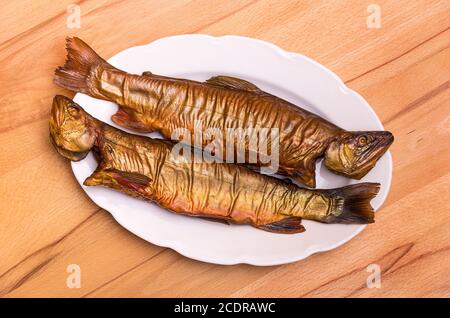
[288, 225]
[118, 180]
[304, 174]
[96, 178]
[81, 59]
[356, 206]
[123, 118]
[308, 179]
[218, 220]
[235, 83]
[150, 74]
[135, 181]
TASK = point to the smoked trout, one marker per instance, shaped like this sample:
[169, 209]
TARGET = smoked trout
[151, 102]
[148, 168]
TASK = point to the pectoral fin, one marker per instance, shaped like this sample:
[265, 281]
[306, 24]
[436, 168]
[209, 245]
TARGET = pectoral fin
[132, 183]
[306, 173]
[288, 225]
[306, 177]
[130, 179]
[126, 119]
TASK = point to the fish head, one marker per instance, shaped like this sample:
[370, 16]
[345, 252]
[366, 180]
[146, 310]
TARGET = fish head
[354, 154]
[71, 129]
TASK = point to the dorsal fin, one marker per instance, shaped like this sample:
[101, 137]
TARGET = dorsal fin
[150, 74]
[235, 83]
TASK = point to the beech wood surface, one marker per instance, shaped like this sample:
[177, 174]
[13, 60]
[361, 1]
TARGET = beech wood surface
[402, 69]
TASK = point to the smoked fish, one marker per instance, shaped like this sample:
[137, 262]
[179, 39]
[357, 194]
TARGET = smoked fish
[151, 102]
[147, 168]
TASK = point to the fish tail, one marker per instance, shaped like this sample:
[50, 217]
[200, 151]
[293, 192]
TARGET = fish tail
[81, 59]
[355, 203]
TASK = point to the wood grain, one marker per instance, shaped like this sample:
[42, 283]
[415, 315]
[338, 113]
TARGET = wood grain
[402, 69]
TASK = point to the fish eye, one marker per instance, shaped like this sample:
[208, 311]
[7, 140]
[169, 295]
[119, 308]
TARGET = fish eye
[362, 141]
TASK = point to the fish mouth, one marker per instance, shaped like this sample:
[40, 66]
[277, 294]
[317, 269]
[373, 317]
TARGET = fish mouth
[66, 135]
[371, 155]
[59, 106]
[72, 155]
[56, 118]
[383, 141]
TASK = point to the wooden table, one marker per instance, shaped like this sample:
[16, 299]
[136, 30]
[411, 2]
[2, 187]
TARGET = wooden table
[402, 69]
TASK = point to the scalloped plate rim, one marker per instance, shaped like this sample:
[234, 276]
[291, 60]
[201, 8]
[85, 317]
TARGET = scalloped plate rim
[178, 246]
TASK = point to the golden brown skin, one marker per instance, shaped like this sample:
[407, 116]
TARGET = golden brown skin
[147, 168]
[150, 102]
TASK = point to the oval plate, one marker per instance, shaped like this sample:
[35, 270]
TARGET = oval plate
[291, 76]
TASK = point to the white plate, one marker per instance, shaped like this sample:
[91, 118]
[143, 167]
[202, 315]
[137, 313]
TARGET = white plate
[291, 76]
